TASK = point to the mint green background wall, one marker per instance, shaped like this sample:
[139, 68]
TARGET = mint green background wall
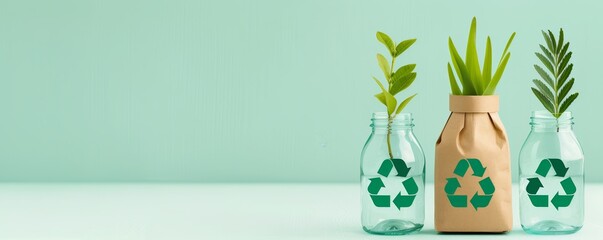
[251, 91]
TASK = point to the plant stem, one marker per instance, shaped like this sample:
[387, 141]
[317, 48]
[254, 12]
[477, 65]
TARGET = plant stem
[390, 81]
[556, 73]
[390, 118]
[389, 133]
[555, 85]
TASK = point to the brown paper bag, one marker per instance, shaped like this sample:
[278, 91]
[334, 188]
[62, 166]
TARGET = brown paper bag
[472, 169]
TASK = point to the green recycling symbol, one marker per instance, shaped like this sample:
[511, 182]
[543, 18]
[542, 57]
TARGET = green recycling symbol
[567, 184]
[477, 201]
[409, 184]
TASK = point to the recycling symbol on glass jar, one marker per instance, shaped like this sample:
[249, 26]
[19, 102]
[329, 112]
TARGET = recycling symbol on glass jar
[534, 184]
[400, 201]
[477, 200]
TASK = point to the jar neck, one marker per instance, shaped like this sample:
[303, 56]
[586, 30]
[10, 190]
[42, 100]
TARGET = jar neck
[381, 123]
[544, 121]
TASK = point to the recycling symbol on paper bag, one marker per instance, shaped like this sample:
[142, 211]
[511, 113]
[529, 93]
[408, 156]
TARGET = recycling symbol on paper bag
[409, 184]
[567, 184]
[477, 201]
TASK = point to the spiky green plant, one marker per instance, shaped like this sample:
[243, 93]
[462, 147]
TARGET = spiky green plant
[555, 57]
[397, 80]
[476, 81]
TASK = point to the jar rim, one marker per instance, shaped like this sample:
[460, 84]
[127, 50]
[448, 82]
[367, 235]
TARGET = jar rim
[380, 119]
[543, 119]
[384, 116]
[546, 115]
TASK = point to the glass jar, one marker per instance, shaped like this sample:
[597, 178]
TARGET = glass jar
[551, 168]
[392, 173]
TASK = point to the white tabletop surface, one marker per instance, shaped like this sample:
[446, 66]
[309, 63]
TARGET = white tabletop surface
[217, 211]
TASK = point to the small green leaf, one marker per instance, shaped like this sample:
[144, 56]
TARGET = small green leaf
[381, 98]
[387, 41]
[390, 101]
[555, 50]
[402, 83]
[384, 65]
[560, 44]
[487, 72]
[497, 75]
[549, 44]
[406, 69]
[564, 50]
[546, 62]
[564, 63]
[506, 48]
[379, 83]
[471, 59]
[544, 89]
[402, 46]
[453, 85]
[564, 75]
[545, 102]
[565, 90]
[544, 75]
[567, 103]
[404, 103]
[547, 53]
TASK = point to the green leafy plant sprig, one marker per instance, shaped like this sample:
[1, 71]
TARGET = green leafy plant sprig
[555, 57]
[475, 80]
[397, 80]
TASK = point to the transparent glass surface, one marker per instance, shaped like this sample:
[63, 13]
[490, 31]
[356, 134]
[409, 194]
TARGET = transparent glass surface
[392, 189]
[551, 168]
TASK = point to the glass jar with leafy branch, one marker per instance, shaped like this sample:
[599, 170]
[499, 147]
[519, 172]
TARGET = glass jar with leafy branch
[392, 161]
[551, 162]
